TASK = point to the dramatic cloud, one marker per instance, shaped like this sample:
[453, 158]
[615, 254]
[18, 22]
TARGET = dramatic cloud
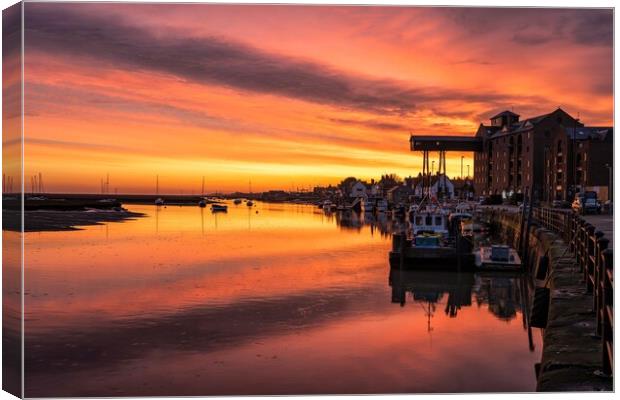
[373, 124]
[282, 93]
[532, 26]
[210, 60]
[217, 61]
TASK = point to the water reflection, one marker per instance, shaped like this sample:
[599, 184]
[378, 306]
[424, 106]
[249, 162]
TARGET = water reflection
[187, 302]
[380, 223]
[505, 295]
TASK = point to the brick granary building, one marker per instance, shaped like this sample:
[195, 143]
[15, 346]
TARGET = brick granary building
[554, 154]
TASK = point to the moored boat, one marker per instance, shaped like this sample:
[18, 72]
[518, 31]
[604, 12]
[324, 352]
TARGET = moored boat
[497, 257]
[219, 207]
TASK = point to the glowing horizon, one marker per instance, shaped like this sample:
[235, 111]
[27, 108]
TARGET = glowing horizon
[288, 96]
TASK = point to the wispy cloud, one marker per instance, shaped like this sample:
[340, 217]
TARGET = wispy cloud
[217, 61]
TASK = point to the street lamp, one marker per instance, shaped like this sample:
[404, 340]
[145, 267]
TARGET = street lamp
[610, 191]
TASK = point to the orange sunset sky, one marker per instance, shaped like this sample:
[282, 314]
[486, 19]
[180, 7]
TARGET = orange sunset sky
[288, 96]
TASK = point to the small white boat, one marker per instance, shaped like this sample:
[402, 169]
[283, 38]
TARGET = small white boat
[497, 257]
[328, 205]
[159, 201]
[219, 207]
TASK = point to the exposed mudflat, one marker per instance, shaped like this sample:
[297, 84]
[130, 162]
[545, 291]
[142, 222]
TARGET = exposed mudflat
[56, 220]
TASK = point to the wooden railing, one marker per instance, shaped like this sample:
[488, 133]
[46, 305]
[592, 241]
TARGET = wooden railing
[589, 247]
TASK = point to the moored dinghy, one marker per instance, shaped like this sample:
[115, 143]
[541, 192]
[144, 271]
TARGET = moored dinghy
[497, 257]
[219, 208]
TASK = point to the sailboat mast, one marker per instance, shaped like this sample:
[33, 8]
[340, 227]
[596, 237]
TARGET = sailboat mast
[157, 185]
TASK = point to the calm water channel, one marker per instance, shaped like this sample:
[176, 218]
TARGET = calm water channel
[279, 299]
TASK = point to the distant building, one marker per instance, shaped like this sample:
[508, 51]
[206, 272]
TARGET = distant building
[358, 190]
[463, 188]
[400, 194]
[440, 184]
[275, 195]
[374, 190]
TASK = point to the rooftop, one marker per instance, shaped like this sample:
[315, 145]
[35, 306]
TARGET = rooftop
[592, 132]
[507, 112]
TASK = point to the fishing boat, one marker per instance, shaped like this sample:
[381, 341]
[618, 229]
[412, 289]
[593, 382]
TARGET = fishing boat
[250, 203]
[237, 202]
[159, 201]
[429, 243]
[219, 208]
[429, 220]
[202, 203]
[497, 257]
[463, 208]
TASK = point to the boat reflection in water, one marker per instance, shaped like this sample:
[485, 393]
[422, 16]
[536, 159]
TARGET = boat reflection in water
[505, 295]
[379, 223]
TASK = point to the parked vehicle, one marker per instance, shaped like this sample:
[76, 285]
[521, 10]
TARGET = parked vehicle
[586, 205]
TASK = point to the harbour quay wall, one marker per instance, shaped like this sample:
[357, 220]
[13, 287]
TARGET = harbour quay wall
[563, 305]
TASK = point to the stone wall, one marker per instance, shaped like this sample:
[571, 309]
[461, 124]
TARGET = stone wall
[572, 352]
